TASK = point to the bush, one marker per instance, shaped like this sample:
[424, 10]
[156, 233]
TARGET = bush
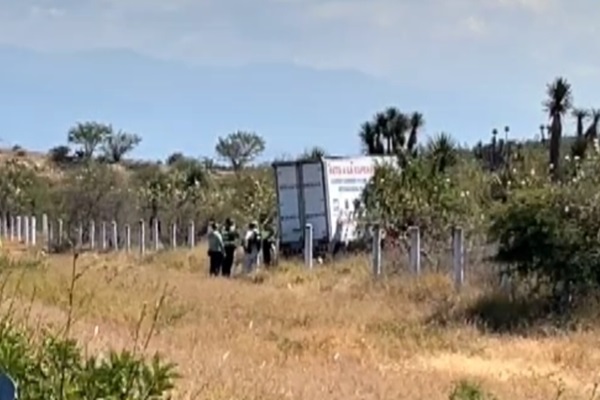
[549, 235]
[51, 366]
[56, 368]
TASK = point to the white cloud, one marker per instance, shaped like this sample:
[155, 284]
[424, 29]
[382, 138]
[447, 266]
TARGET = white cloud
[394, 38]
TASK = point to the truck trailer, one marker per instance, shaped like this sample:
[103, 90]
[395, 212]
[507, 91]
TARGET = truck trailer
[325, 193]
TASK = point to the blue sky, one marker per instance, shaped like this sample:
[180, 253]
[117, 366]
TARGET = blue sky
[300, 72]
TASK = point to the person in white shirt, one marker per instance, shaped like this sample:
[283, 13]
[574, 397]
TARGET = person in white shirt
[252, 245]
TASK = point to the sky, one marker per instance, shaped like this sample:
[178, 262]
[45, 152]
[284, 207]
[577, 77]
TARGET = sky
[299, 72]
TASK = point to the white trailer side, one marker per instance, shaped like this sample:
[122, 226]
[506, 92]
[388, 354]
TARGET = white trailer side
[323, 193]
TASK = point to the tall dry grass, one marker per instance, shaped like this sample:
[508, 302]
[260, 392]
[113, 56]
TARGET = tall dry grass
[330, 333]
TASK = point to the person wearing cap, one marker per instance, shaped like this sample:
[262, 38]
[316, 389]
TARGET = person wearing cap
[252, 245]
[230, 239]
[216, 249]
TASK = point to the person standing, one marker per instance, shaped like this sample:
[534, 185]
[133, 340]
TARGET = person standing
[230, 240]
[268, 245]
[252, 245]
[216, 249]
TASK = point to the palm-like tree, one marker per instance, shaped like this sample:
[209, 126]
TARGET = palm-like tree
[592, 131]
[558, 103]
[416, 122]
[442, 150]
[580, 115]
[380, 123]
[370, 139]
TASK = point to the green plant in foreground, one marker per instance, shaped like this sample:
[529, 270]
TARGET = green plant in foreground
[466, 390]
[50, 366]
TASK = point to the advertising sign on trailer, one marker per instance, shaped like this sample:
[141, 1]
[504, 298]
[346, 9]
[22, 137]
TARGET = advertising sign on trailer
[325, 194]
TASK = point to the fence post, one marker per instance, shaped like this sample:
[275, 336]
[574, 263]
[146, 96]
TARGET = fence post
[5, 227]
[377, 250]
[50, 234]
[103, 235]
[127, 238]
[115, 235]
[415, 249]
[174, 235]
[45, 227]
[155, 233]
[33, 230]
[80, 235]
[458, 256]
[308, 246]
[60, 231]
[26, 232]
[19, 228]
[92, 234]
[192, 235]
[142, 237]
[13, 228]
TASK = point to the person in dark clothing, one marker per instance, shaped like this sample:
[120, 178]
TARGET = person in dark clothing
[230, 240]
[268, 242]
[216, 250]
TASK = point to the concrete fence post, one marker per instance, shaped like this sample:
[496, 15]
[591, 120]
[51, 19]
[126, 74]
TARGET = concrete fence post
[80, 234]
[60, 231]
[13, 228]
[142, 237]
[104, 236]
[5, 227]
[26, 233]
[155, 237]
[92, 237]
[33, 230]
[127, 238]
[377, 251]
[115, 235]
[192, 235]
[45, 229]
[414, 234]
[19, 228]
[308, 246]
[174, 235]
[458, 256]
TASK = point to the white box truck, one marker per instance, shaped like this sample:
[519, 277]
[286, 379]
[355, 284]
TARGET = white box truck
[323, 193]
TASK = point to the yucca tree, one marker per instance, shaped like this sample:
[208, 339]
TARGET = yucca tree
[580, 116]
[398, 125]
[592, 131]
[557, 104]
[442, 150]
[416, 123]
[371, 139]
[380, 123]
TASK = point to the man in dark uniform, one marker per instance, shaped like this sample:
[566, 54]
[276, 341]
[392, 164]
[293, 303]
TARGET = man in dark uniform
[230, 239]
[268, 244]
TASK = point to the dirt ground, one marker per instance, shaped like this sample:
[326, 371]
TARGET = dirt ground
[330, 333]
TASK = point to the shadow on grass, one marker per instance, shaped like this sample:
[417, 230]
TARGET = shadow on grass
[499, 313]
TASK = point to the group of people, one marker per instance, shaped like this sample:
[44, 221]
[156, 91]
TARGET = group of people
[224, 240]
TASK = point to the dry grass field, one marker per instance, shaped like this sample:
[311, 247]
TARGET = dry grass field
[331, 333]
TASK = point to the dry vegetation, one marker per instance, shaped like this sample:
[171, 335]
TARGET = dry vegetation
[331, 333]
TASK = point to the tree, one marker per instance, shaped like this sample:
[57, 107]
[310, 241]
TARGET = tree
[580, 115]
[89, 135]
[371, 139]
[559, 101]
[117, 144]
[592, 131]
[240, 148]
[60, 154]
[442, 151]
[416, 122]
[313, 154]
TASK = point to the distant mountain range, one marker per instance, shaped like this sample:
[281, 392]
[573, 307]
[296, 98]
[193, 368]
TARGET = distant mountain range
[185, 108]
